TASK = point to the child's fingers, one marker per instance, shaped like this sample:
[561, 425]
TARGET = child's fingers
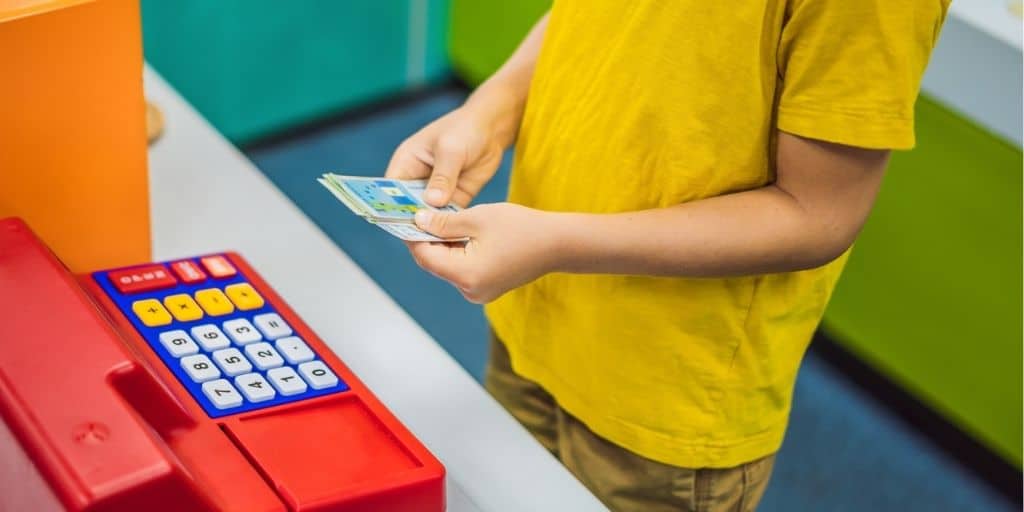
[438, 259]
[449, 158]
[446, 224]
[405, 165]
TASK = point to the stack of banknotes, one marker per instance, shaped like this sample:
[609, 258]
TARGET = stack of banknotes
[388, 204]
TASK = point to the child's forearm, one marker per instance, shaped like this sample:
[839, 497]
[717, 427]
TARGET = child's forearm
[502, 98]
[754, 232]
[812, 213]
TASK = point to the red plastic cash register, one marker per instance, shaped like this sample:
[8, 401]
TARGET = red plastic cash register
[186, 385]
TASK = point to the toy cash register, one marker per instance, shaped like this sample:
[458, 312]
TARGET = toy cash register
[187, 385]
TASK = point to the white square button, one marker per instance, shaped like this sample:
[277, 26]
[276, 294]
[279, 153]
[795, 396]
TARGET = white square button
[178, 343]
[199, 368]
[232, 362]
[210, 337]
[241, 331]
[294, 350]
[318, 375]
[255, 387]
[263, 355]
[286, 380]
[272, 326]
[222, 394]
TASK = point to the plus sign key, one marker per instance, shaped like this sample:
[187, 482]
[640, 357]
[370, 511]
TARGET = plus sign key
[151, 312]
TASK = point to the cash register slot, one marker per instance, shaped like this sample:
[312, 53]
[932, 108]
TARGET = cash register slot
[346, 444]
[259, 470]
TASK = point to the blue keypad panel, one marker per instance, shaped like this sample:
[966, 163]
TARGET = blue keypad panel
[218, 335]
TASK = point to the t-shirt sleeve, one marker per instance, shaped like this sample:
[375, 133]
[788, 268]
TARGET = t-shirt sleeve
[851, 69]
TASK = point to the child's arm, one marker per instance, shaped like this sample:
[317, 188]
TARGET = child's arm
[461, 151]
[808, 217]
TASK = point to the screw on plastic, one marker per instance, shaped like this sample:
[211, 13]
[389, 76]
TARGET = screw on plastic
[90, 433]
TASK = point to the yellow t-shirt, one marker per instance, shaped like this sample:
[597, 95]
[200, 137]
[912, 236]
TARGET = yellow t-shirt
[647, 104]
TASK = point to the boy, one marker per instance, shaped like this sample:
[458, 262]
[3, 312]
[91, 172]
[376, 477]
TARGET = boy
[689, 177]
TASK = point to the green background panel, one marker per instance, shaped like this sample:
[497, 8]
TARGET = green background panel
[931, 295]
[257, 67]
[484, 33]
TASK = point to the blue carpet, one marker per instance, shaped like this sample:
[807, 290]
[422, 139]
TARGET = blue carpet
[842, 451]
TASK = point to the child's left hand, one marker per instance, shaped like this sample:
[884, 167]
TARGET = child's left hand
[510, 245]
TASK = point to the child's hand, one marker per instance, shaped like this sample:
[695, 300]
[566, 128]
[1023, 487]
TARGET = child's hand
[510, 245]
[458, 152]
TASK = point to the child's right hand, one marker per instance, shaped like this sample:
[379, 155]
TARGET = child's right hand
[458, 152]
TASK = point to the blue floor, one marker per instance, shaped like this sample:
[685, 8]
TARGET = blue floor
[842, 451]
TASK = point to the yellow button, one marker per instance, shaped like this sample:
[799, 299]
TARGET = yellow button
[214, 302]
[244, 296]
[183, 307]
[151, 312]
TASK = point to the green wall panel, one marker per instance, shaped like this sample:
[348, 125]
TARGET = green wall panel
[255, 67]
[931, 295]
[485, 32]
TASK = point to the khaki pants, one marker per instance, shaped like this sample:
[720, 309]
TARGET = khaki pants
[624, 481]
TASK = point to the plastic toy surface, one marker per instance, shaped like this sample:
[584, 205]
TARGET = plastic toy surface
[185, 385]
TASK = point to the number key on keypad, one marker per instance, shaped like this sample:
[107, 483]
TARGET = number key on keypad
[318, 375]
[178, 343]
[271, 325]
[286, 380]
[210, 337]
[294, 350]
[199, 368]
[232, 362]
[222, 394]
[242, 331]
[263, 355]
[255, 387]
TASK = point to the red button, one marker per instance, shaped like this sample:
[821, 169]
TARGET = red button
[218, 266]
[140, 279]
[187, 271]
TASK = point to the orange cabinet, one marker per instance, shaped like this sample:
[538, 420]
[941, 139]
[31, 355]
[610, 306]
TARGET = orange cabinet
[72, 128]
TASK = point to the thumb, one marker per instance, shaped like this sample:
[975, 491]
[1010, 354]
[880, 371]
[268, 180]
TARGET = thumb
[445, 224]
[448, 161]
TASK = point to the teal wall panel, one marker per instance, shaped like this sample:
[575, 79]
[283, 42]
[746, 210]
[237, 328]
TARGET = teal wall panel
[437, 66]
[256, 67]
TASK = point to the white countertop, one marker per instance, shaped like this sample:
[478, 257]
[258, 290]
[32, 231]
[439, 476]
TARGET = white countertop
[206, 196]
[976, 67]
[994, 17]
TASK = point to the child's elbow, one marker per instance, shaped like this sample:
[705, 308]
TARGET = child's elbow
[830, 244]
[830, 254]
